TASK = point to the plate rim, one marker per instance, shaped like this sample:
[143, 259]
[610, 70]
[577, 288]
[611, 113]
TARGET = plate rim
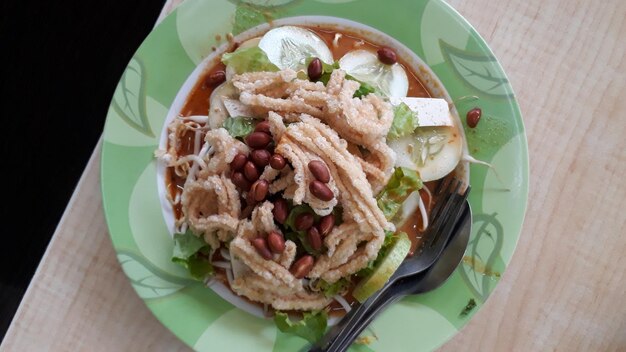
[512, 103]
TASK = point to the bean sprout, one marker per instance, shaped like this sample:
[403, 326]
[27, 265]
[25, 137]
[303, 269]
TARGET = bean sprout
[197, 118]
[196, 142]
[424, 214]
[312, 285]
[197, 160]
[187, 158]
[229, 276]
[471, 159]
[225, 253]
[336, 39]
[344, 304]
[222, 264]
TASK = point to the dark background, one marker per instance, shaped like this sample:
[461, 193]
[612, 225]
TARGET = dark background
[60, 64]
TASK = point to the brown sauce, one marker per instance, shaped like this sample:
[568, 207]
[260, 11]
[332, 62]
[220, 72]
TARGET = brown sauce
[198, 104]
[198, 101]
[349, 42]
[336, 309]
[413, 226]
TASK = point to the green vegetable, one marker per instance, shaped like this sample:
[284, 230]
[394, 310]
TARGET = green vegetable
[192, 253]
[302, 243]
[305, 208]
[325, 78]
[331, 290]
[187, 244]
[251, 59]
[390, 238]
[471, 304]
[239, 126]
[338, 213]
[402, 183]
[327, 70]
[295, 211]
[199, 266]
[363, 90]
[404, 122]
[311, 327]
[384, 269]
[299, 237]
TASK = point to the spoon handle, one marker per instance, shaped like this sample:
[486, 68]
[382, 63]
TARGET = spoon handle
[424, 282]
[344, 341]
[400, 289]
[337, 332]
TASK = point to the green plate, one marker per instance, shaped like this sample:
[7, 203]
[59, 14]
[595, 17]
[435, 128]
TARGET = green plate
[203, 319]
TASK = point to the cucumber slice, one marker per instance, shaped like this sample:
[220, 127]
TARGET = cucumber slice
[432, 151]
[377, 279]
[217, 111]
[389, 80]
[289, 47]
[249, 43]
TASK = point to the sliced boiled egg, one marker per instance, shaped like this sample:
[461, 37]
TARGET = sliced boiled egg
[432, 151]
[430, 112]
[290, 47]
[389, 80]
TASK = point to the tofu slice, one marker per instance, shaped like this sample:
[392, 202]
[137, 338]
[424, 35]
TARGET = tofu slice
[431, 112]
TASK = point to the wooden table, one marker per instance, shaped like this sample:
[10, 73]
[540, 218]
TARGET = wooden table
[565, 288]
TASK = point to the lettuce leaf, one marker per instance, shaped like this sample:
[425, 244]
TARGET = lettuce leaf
[251, 59]
[300, 237]
[404, 122]
[401, 184]
[330, 290]
[198, 265]
[192, 253]
[239, 126]
[290, 223]
[187, 244]
[363, 90]
[311, 327]
[327, 70]
[302, 243]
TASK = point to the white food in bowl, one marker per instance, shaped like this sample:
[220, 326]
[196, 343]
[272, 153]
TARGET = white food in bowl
[289, 47]
[390, 80]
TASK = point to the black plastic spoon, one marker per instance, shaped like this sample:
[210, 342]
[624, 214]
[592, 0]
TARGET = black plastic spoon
[341, 336]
